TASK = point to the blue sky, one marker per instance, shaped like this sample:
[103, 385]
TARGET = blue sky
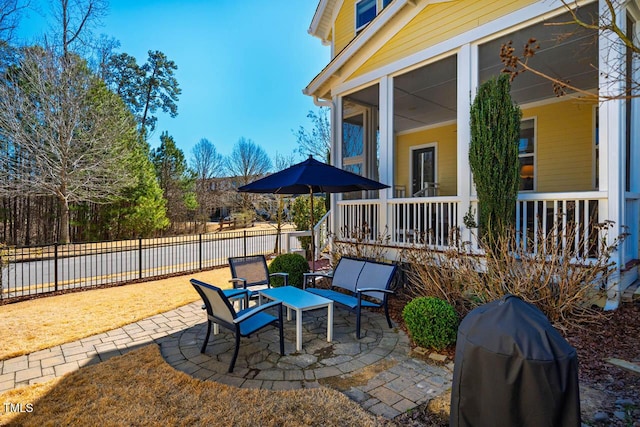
[242, 65]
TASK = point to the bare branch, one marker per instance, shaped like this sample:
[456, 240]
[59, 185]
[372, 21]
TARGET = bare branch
[62, 133]
[518, 63]
[10, 14]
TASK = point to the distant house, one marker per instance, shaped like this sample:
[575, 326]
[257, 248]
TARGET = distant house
[220, 194]
[224, 200]
[400, 82]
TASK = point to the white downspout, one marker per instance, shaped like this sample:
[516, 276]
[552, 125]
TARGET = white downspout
[322, 103]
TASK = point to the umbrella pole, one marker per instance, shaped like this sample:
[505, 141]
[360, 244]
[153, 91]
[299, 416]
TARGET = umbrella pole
[313, 239]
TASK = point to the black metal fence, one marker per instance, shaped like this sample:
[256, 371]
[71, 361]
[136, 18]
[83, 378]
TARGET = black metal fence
[35, 270]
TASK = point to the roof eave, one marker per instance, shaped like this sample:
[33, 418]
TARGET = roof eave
[353, 47]
[318, 17]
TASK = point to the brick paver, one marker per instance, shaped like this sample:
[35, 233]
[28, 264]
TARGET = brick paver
[406, 384]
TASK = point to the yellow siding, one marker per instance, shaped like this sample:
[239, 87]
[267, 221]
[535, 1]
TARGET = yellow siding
[435, 24]
[446, 148]
[345, 25]
[564, 146]
[564, 149]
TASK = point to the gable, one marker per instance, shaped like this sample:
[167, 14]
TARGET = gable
[398, 11]
[322, 22]
[404, 28]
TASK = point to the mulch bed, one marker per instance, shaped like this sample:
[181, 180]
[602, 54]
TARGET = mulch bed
[616, 335]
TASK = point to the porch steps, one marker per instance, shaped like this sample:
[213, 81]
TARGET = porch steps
[629, 366]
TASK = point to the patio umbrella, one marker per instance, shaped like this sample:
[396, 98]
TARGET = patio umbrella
[309, 177]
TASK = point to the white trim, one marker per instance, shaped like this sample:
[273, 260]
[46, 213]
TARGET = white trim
[432, 60]
[633, 7]
[320, 15]
[385, 123]
[467, 76]
[317, 17]
[555, 100]
[634, 13]
[364, 86]
[361, 40]
[612, 156]
[413, 148]
[527, 16]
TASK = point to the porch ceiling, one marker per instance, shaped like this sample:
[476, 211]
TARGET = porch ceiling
[567, 52]
[421, 97]
[428, 95]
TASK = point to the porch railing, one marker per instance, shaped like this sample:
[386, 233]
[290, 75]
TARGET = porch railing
[570, 219]
[360, 219]
[573, 217]
[322, 231]
[425, 220]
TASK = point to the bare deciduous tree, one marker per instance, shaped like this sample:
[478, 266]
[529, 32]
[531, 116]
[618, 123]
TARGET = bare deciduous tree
[75, 19]
[317, 140]
[62, 134]
[247, 162]
[207, 164]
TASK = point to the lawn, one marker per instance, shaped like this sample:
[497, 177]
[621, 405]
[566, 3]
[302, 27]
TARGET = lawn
[46, 322]
[140, 388]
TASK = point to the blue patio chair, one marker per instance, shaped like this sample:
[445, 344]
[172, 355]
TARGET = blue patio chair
[251, 273]
[243, 323]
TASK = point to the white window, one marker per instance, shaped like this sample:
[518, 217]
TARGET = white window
[353, 143]
[526, 154]
[366, 10]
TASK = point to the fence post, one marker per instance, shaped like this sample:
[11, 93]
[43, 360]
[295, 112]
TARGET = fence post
[245, 242]
[55, 266]
[200, 251]
[140, 257]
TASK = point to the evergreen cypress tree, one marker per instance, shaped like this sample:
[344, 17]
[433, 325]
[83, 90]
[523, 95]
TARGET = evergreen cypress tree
[493, 156]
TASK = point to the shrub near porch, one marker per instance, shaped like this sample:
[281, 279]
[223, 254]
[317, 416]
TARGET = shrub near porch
[293, 264]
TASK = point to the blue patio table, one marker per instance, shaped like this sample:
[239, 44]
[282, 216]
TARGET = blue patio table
[299, 301]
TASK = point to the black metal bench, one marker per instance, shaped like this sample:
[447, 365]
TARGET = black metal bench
[354, 278]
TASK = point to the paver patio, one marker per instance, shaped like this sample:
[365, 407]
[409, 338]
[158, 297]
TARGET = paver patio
[394, 384]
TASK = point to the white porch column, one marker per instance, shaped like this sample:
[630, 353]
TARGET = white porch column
[386, 147]
[467, 83]
[612, 143]
[336, 158]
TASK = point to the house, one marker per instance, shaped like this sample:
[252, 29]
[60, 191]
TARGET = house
[400, 82]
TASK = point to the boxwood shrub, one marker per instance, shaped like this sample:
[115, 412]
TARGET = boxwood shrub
[294, 264]
[432, 322]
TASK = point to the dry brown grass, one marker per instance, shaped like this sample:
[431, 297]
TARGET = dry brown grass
[139, 388]
[41, 323]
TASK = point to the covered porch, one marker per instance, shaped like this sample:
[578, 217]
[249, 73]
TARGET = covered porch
[406, 124]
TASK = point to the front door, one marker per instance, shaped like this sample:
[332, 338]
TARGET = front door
[423, 170]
